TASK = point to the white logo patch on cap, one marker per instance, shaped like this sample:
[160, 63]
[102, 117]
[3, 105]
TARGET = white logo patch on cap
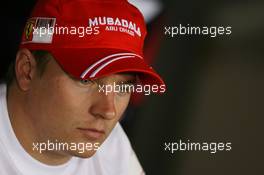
[39, 30]
[116, 24]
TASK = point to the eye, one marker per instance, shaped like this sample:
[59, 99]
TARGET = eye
[123, 93]
[124, 90]
[86, 81]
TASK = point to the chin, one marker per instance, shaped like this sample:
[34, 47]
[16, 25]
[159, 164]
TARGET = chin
[85, 154]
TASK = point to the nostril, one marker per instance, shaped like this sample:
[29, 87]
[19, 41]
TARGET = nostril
[110, 114]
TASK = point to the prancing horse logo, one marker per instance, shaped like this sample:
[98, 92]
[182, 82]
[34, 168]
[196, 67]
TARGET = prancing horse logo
[29, 29]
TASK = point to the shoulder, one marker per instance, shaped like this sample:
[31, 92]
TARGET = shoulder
[6, 163]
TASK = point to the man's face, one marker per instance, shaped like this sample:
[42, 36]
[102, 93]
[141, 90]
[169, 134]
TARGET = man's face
[65, 110]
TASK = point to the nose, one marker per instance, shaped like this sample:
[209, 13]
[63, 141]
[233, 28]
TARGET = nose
[104, 106]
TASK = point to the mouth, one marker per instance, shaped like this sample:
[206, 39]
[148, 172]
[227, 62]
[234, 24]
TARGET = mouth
[92, 133]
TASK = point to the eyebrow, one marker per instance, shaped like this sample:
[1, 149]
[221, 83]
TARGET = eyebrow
[129, 81]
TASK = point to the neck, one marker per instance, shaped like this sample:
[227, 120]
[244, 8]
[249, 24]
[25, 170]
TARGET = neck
[25, 131]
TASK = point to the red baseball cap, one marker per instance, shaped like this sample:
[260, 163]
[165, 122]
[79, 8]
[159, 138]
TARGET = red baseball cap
[91, 38]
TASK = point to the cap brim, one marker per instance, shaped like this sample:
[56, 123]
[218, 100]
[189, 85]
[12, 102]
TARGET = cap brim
[95, 63]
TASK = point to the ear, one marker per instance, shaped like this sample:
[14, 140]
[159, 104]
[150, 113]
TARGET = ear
[25, 69]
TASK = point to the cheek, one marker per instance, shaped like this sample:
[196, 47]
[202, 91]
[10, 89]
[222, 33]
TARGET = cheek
[66, 102]
[59, 107]
[121, 104]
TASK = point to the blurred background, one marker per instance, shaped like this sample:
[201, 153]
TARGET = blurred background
[214, 85]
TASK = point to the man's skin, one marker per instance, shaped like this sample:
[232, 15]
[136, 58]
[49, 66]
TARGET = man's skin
[55, 106]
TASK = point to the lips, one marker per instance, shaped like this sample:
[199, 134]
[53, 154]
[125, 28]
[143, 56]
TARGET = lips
[92, 133]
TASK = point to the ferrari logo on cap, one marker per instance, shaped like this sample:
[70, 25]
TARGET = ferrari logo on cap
[29, 29]
[39, 30]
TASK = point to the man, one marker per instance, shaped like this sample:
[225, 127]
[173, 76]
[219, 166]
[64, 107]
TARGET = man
[55, 117]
